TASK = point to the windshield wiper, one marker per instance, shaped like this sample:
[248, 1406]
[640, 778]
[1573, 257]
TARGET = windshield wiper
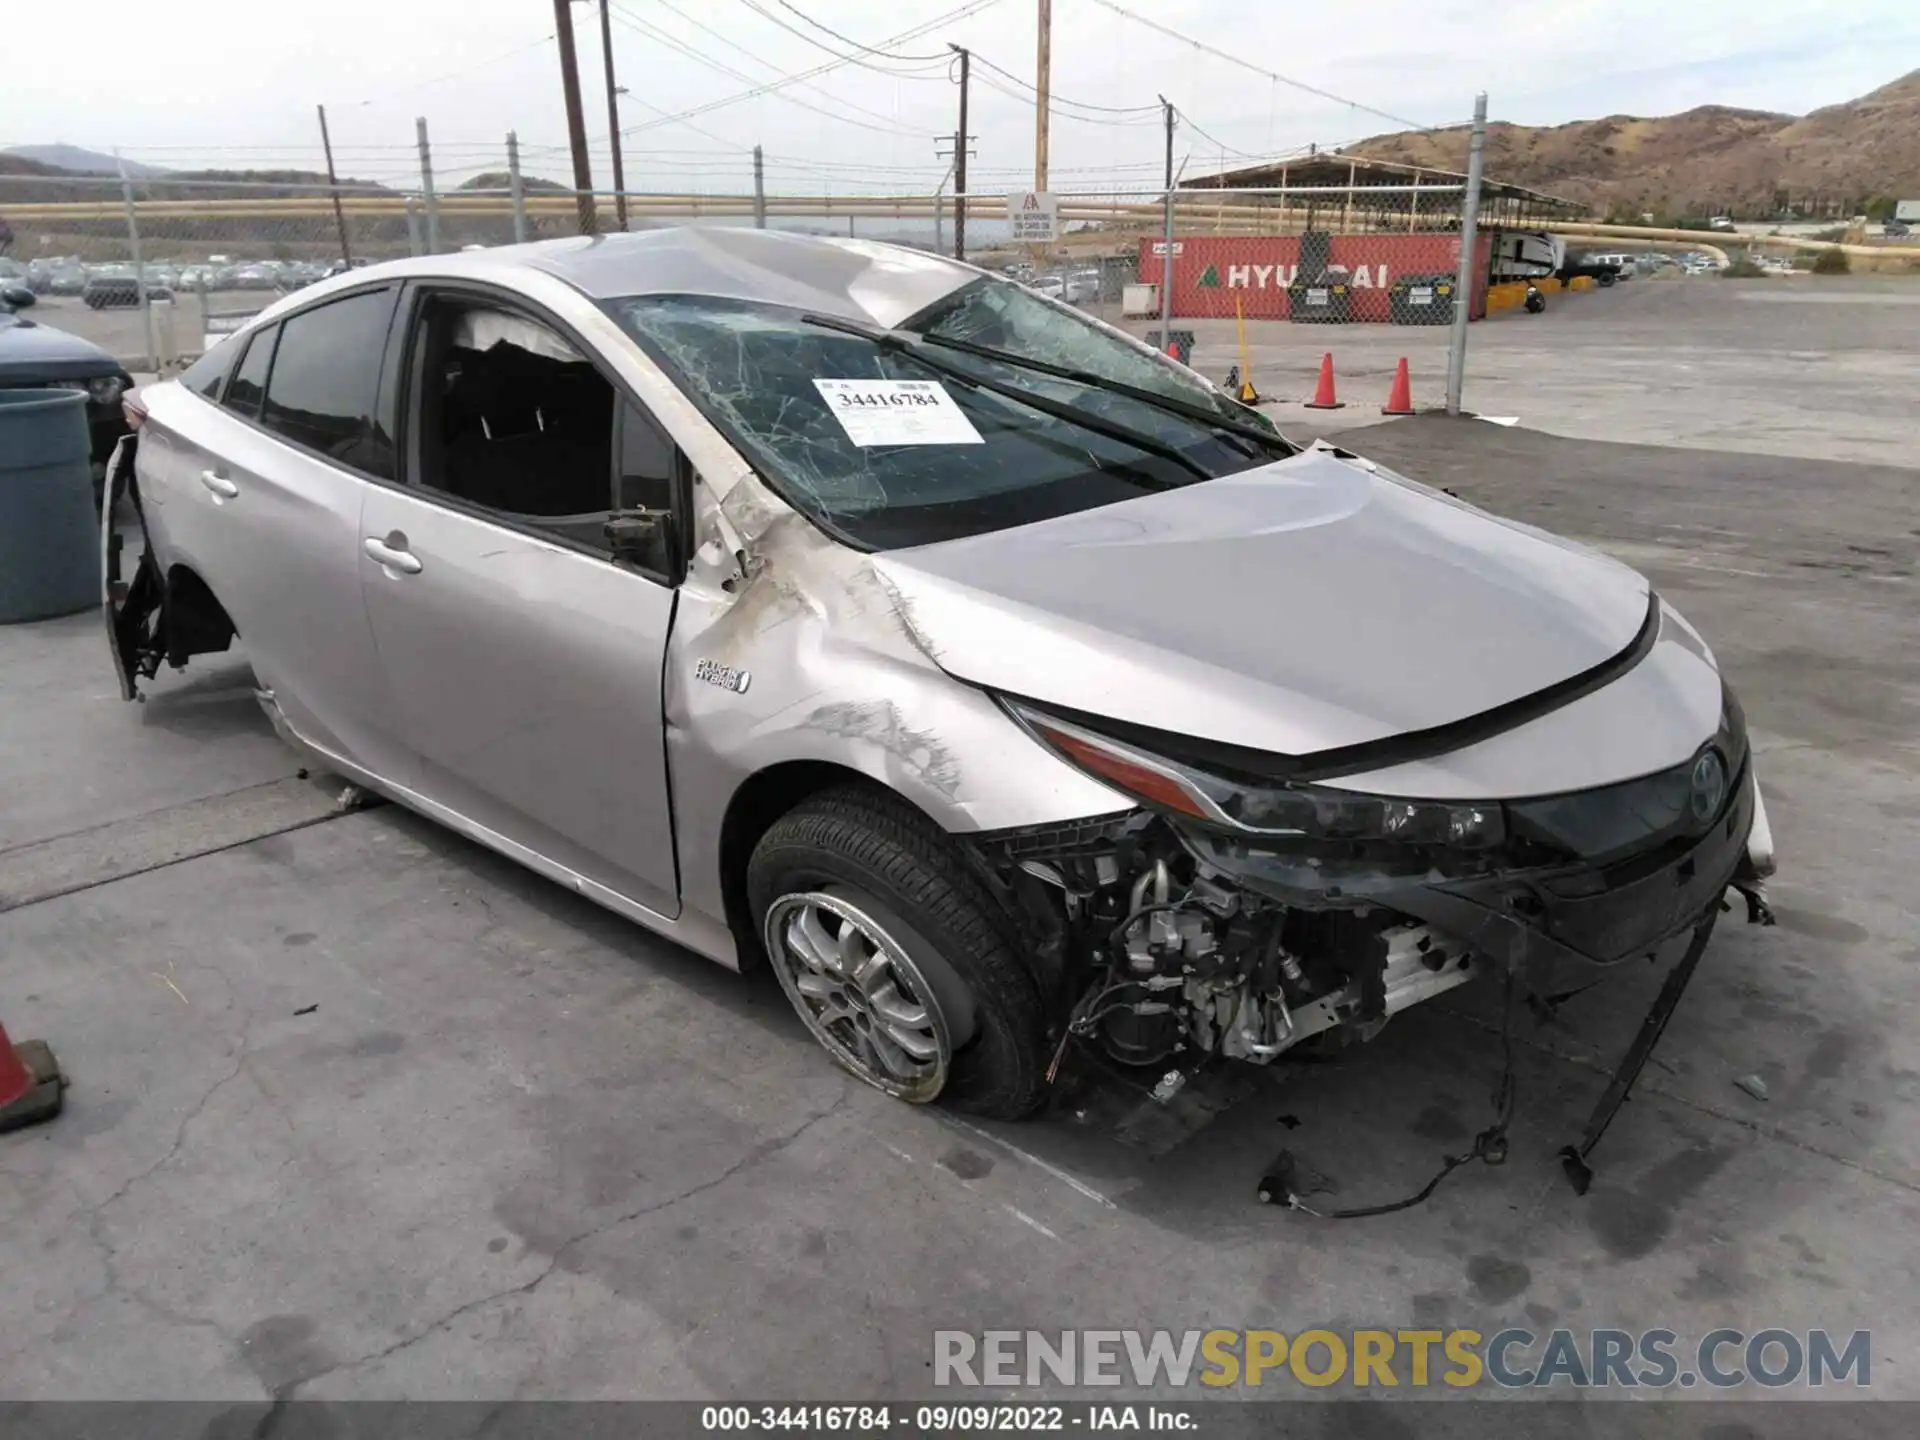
[914, 346]
[1186, 409]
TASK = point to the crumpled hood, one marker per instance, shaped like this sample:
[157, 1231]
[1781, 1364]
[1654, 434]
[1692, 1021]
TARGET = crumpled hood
[1306, 605]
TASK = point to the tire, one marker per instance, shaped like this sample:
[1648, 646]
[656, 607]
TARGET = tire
[858, 856]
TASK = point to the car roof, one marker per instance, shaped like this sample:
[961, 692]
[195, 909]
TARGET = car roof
[854, 279]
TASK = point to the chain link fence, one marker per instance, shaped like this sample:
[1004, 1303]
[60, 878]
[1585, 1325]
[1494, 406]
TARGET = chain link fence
[1265, 278]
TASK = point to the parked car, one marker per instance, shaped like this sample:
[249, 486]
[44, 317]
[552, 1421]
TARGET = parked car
[111, 288]
[1054, 287]
[1005, 685]
[66, 279]
[1082, 287]
[1625, 266]
[33, 355]
[260, 275]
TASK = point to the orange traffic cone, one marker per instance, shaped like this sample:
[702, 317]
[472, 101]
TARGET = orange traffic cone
[30, 1083]
[1323, 393]
[1400, 398]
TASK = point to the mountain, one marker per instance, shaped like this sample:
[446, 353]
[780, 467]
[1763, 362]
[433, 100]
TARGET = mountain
[34, 182]
[502, 180]
[78, 161]
[1709, 160]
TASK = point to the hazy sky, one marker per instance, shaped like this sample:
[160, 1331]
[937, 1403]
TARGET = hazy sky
[201, 82]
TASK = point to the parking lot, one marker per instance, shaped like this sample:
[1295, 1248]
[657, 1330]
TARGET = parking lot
[1821, 367]
[360, 1110]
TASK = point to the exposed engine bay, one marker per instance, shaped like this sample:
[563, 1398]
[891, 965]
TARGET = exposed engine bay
[1167, 943]
[1167, 959]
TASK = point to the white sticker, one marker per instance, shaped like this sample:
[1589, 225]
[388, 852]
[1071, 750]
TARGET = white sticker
[1421, 295]
[1316, 296]
[897, 412]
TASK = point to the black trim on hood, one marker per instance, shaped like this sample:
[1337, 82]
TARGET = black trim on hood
[1238, 761]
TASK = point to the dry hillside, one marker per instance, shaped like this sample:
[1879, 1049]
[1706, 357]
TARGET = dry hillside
[1708, 160]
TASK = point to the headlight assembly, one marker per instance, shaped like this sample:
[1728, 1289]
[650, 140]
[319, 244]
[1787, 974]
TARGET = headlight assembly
[1279, 811]
[1598, 826]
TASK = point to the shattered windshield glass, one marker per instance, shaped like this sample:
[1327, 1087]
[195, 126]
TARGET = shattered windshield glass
[888, 451]
[999, 316]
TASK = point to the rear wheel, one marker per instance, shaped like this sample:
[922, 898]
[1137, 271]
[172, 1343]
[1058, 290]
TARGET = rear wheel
[896, 956]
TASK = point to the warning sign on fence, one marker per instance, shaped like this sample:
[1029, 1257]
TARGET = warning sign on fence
[1034, 217]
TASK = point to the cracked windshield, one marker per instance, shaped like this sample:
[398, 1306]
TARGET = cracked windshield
[893, 440]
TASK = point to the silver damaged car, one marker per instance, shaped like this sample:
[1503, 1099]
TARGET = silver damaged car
[1003, 683]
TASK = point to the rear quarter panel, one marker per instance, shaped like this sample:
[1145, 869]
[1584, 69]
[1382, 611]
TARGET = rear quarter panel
[282, 558]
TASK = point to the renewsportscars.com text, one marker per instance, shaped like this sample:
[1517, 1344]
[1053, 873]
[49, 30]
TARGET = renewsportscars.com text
[1512, 1359]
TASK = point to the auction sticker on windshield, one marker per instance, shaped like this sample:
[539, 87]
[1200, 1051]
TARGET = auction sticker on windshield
[897, 412]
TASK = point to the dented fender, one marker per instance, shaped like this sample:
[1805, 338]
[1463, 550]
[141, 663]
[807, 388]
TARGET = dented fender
[790, 647]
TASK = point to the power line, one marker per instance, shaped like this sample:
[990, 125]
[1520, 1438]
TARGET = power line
[762, 11]
[1220, 144]
[450, 75]
[1106, 121]
[891, 121]
[627, 19]
[681, 117]
[844, 39]
[1061, 99]
[1258, 70]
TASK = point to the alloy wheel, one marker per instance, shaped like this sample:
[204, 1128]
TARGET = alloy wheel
[860, 993]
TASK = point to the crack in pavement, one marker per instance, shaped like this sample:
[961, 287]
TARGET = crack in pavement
[765, 1150]
[180, 1134]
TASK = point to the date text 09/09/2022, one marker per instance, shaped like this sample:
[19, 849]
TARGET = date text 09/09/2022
[947, 1419]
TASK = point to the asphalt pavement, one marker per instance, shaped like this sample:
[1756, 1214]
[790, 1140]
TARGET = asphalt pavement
[1816, 366]
[361, 1110]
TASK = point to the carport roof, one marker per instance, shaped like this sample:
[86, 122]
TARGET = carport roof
[1330, 169]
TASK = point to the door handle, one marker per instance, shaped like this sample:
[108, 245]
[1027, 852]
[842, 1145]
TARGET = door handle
[393, 556]
[219, 484]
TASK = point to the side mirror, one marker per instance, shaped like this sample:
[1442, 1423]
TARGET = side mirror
[641, 537]
[16, 297]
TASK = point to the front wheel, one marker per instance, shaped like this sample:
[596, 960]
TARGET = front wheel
[895, 955]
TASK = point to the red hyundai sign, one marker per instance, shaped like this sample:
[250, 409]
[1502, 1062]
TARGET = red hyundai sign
[1212, 272]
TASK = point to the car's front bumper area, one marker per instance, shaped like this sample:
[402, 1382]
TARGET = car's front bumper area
[1541, 918]
[1592, 915]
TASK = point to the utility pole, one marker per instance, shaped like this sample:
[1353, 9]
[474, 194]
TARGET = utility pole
[516, 192]
[960, 161]
[1042, 85]
[759, 190]
[333, 184]
[613, 117]
[576, 123]
[1463, 280]
[1166, 253]
[139, 269]
[427, 196]
[940, 210]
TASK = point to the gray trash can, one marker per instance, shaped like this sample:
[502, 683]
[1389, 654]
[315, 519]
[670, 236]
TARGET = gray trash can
[49, 536]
